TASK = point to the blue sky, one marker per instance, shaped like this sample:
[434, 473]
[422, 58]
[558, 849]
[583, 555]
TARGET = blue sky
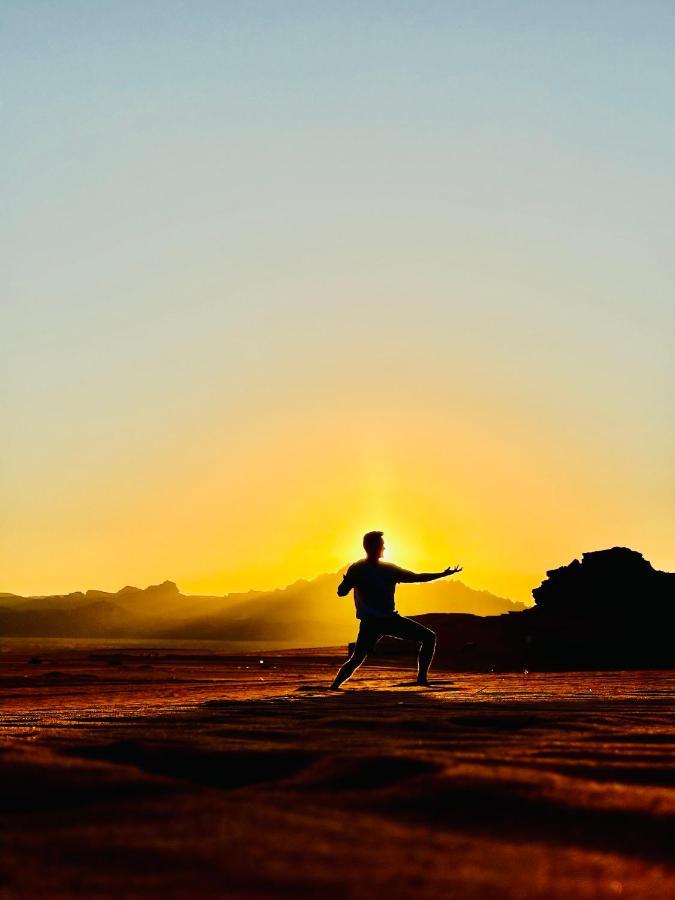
[218, 215]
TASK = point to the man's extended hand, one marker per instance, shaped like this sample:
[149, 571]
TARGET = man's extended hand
[451, 570]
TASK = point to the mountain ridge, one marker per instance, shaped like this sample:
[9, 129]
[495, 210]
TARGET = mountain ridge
[307, 609]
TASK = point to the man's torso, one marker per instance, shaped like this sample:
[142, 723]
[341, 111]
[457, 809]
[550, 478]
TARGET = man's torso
[374, 586]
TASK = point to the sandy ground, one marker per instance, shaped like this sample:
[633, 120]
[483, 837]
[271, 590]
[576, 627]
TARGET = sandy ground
[162, 774]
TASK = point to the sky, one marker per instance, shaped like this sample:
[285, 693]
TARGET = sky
[278, 273]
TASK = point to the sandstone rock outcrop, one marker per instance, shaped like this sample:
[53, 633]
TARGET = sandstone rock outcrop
[609, 610]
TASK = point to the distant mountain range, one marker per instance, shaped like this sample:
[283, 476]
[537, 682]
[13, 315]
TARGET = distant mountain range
[309, 612]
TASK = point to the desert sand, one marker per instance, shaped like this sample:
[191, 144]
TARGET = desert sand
[164, 773]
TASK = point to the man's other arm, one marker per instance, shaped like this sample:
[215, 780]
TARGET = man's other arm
[415, 577]
[346, 584]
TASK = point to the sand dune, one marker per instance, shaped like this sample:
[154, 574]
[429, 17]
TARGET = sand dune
[192, 774]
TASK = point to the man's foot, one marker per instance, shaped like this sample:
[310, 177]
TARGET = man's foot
[423, 682]
[334, 687]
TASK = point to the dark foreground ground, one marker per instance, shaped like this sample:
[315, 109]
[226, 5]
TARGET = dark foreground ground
[152, 774]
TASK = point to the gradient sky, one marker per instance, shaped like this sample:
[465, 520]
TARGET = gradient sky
[276, 273]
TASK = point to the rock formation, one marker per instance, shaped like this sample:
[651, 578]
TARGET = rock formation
[609, 610]
[615, 583]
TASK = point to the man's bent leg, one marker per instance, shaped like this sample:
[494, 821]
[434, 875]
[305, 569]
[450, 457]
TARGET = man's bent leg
[409, 630]
[366, 640]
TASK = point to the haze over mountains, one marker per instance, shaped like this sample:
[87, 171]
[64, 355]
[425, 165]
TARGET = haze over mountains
[309, 612]
[609, 609]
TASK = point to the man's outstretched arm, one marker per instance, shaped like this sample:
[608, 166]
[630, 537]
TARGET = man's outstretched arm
[415, 577]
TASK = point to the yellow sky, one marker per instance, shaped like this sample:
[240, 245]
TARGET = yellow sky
[292, 499]
[283, 276]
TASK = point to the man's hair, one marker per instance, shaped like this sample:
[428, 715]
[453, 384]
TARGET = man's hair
[372, 540]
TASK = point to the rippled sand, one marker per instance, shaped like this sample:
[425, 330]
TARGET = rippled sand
[158, 774]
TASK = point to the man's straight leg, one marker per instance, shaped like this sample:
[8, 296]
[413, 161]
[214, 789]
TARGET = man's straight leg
[368, 636]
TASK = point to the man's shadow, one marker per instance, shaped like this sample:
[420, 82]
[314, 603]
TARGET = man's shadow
[435, 685]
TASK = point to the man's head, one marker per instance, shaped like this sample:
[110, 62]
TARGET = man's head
[373, 544]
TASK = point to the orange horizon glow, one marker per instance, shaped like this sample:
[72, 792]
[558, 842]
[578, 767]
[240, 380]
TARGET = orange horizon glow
[267, 512]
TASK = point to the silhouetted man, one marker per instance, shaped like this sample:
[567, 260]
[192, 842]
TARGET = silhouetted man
[374, 583]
